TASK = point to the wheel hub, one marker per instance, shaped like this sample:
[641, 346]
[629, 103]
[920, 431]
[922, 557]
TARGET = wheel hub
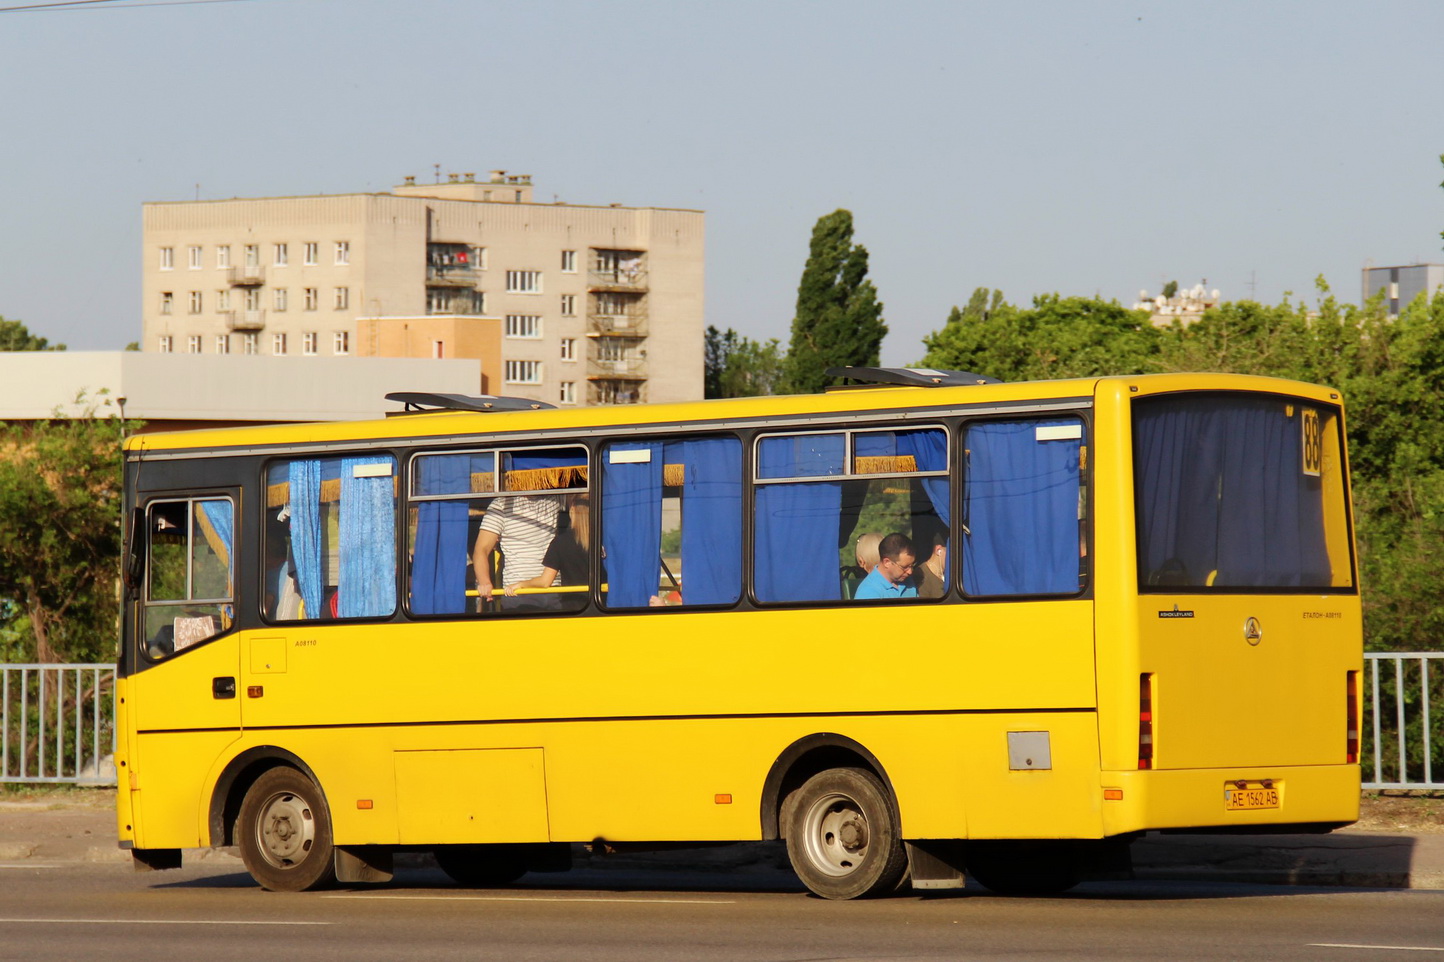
[287, 829]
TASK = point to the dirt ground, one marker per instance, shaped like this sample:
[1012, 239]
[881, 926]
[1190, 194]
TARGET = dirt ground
[1398, 812]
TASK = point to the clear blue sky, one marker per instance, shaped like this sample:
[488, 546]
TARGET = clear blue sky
[1084, 148]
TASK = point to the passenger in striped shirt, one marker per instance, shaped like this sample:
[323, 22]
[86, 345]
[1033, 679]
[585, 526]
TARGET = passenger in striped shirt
[522, 526]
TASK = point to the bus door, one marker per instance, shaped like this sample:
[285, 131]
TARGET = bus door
[182, 707]
[1248, 620]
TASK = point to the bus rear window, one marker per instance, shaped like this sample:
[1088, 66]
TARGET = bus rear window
[1238, 491]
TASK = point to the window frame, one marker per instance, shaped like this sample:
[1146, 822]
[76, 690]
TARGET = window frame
[145, 600]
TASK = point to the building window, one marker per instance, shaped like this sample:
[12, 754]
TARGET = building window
[438, 350]
[569, 392]
[523, 325]
[312, 252]
[279, 299]
[523, 282]
[569, 262]
[308, 343]
[343, 252]
[196, 302]
[167, 302]
[253, 298]
[223, 300]
[195, 261]
[223, 256]
[569, 349]
[569, 305]
[167, 258]
[343, 298]
[478, 256]
[283, 255]
[312, 298]
[223, 344]
[523, 372]
[166, 344]
[193, 344]
[341, 343]
[253, 256]
[278, 344]
[250, 343]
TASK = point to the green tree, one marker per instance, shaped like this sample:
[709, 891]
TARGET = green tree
[15, 336]
[60, 498]
[1170, 289]
[1057, 337]
[839, 318]
[748, 368]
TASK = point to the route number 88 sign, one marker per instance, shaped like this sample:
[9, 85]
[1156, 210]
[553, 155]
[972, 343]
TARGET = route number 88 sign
[1313, 439]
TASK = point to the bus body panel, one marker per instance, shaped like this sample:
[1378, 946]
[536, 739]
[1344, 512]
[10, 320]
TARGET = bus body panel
[1194, 798]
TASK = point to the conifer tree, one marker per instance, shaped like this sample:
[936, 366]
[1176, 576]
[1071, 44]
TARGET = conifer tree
[839, 318]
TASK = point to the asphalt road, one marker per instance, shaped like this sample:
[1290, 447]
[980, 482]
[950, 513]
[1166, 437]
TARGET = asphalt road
[212, 912]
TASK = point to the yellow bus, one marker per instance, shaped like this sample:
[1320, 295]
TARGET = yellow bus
[495, 631]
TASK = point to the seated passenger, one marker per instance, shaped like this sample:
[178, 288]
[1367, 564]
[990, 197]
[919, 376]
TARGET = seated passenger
[889, 579]
[866, 553]
[932, 572]
[565, 561]
[523, 527]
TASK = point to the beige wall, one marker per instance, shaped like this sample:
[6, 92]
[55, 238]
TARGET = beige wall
[471, 338]
[385, 277]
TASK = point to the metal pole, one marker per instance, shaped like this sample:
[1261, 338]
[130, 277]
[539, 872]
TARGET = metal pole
[1428, 758]
[1399, 718]
[1374, 664]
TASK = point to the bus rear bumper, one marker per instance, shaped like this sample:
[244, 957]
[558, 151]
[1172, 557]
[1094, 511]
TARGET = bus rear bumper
[1305, 798]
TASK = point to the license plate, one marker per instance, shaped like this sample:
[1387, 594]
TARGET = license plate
[1248, 799]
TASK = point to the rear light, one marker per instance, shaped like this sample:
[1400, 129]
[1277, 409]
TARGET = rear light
[1145, 721]
[1351, 727]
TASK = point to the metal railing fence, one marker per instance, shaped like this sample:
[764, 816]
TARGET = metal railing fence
[57, 723]
[1402, 737]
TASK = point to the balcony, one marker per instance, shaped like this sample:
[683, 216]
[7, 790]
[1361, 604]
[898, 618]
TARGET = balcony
[617, 279]
[627, 369]
[244, 320]
[617, 325]
[246, 276]
[451, 276]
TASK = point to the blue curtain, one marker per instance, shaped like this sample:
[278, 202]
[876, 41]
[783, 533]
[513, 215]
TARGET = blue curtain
[795, 552]
[1021, 507]
[439, 560]
[930, 451]
[218, 517]
[366, 583]
[711, 519]
[632, 525]
[1221, 493]
[304, 485]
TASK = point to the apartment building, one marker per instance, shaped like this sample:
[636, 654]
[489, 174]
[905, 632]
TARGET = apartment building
[565, 303]
[1402, 284]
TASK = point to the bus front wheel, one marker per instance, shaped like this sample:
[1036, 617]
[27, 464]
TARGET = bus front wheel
[284, 833]
[842, 837]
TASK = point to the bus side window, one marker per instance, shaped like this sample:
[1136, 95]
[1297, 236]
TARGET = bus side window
[189, 593]
[1022, 507]
[672, 522]
[331, 538]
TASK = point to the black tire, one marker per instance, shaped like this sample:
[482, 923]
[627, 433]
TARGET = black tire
[1022, 868]
[482, 866]
[842, 835]
[284, 833]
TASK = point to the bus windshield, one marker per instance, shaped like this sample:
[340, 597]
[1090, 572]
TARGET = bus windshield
[1239, 491]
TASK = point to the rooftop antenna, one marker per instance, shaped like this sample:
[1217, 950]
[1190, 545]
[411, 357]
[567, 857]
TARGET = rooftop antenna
[1252, 285]
[437, 168]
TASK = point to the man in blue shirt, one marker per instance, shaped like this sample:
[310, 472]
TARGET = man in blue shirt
[895, 565]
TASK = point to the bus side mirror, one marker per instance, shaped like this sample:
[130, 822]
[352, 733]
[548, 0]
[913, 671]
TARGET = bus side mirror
[134, 570]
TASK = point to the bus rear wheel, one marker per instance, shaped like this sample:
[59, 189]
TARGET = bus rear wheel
[842, 837]
[481, 866]
[284, 833]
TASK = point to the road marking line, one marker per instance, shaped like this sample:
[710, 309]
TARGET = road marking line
[1396, 948]
[158, 922]
[531, 898]
[6, 865]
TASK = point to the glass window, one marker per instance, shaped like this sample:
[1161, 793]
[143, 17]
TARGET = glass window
[188, 595]
[1024, 507]
[671, 522]
[330, 538]
[818, 540]
[1237, 491]
[500, 531]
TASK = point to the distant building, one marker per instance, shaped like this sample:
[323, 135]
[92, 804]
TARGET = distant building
[174, 392]
[1185, 306]
[1402, 284]
[562, 303]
